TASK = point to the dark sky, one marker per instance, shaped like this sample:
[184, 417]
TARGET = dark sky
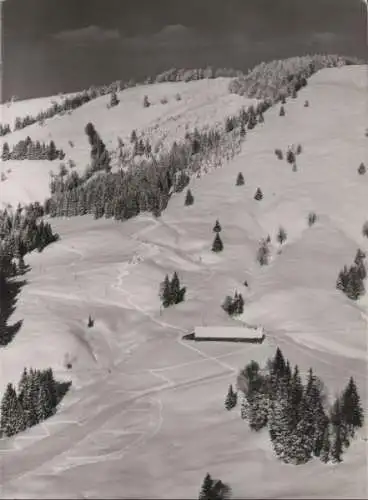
[52, 46]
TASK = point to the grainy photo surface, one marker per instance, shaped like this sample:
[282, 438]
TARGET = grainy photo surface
[183, 249]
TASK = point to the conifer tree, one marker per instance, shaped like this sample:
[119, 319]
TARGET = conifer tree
[12, 416]
[326, 446]
[214, 489]
[258, 195]
[165, 292]
[5, 156]
[365, 229]
[362, 169]
[351, 409]
[114, 101]
[296, 396]
[240, 179]
[279, 425]
[336, 451]
[243, 131]
[244, 408]
[281, 235]
[339, 431]
[290, 157]
[343, 280]
[355, 286]
[217, 227]
[133, 137]
[263, 253]
[258, 411]
[175, 289]
[189, 199]
[239, 304]
[231, 399]
[217, 245]
[43, 407]
[282, 111]
[206, 488]
[228, 304]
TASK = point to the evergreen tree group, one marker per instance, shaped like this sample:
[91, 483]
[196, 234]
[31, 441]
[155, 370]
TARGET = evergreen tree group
[36, 399]
[171, 292]
[124, 194]
[299, 424]
[233, 305]
[32, 150]
[351, 281]
[214, 489]
[20, 233]
[4, 129]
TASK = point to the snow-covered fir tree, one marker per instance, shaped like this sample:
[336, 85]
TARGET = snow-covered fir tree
[231, 398]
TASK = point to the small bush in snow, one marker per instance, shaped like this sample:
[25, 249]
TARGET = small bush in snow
[178, 97]
[163, 100]
[299, 149]
[306, 104]
[146, 103]
[279, 154]
[282, 111]
[312, 217]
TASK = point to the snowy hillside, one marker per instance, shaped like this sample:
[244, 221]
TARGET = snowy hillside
[145, 416]
[202, 103]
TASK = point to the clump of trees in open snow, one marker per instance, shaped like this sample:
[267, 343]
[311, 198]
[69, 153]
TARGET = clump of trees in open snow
[300, 423]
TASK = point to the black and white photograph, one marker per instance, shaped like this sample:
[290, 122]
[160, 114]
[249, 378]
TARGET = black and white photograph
[183, 249]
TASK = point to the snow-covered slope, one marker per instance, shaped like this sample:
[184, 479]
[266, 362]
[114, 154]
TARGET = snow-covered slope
[145, 417]
[202, 103]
